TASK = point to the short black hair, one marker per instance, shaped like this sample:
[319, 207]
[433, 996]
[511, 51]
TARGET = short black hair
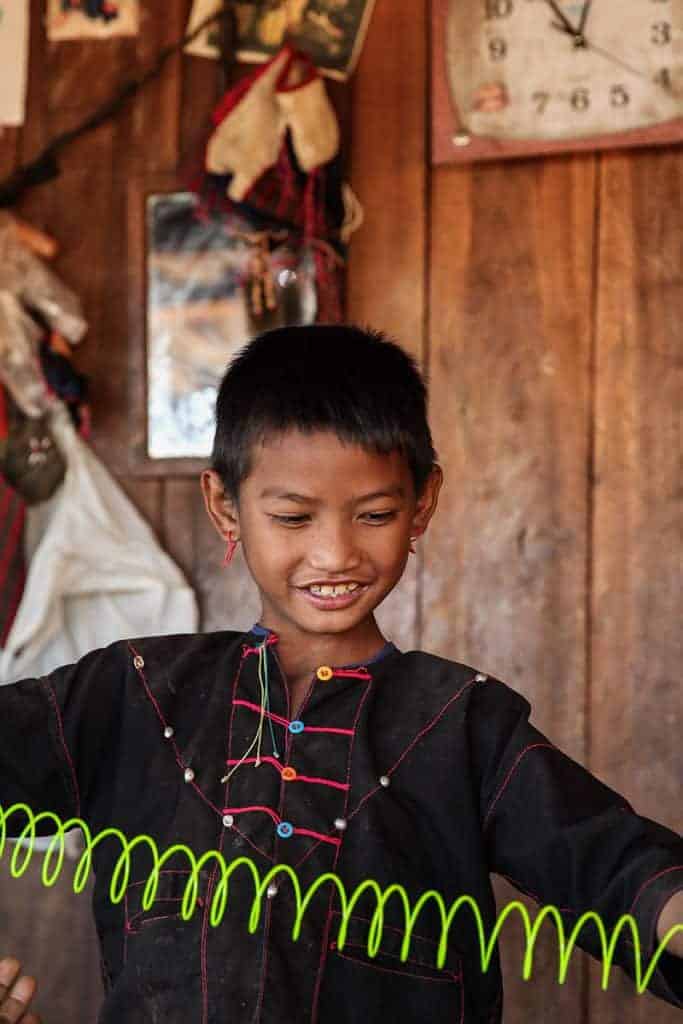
[352, 381]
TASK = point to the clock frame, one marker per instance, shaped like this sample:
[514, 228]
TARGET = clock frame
[452, 142]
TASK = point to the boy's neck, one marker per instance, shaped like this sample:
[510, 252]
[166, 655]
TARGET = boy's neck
[301, 654]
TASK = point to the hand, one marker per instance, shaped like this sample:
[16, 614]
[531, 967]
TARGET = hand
[16, 992]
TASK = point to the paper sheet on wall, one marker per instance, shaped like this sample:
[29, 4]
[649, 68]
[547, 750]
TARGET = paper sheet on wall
[92, 19]
[13, 60]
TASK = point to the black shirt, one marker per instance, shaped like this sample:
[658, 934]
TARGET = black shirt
[411, 771]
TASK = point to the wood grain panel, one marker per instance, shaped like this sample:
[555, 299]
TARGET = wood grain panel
[388, 171]
[9, 150]
[504, 587]
[182, 509]
[636, 639]
[156, 124]
[52, 932]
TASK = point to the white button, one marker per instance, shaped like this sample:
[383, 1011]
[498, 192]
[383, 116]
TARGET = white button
[272, 890]
[228, 820]
[340, 824]
[384, 780]
[138, 661]
[480, 677]
[189, 775]
[168, 732]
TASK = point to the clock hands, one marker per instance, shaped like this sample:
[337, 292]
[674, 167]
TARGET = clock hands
[566, 25]
[584, 17]
[580, 41]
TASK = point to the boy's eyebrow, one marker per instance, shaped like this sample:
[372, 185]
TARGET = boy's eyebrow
[388, 492]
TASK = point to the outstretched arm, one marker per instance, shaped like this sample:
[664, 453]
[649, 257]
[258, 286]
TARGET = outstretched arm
[672, 914]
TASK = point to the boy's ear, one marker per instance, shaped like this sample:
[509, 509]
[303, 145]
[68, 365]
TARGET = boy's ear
[219, 507]
[427, 502]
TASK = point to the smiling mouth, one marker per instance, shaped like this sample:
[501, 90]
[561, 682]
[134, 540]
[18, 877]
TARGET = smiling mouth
[333, 596]
[334, 589]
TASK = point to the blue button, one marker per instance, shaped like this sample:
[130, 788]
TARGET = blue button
[296, 726]
[285, 829]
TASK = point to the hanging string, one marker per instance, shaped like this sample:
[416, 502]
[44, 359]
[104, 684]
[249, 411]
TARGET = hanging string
[264, 706]
[45, 167]
[276, 753]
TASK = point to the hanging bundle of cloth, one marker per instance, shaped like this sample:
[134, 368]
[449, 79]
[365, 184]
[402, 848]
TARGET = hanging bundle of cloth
[96, 572]
[273, 158]
[40, 318]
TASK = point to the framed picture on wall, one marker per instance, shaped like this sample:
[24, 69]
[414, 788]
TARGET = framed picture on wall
[331, 32]
[92, 19]
[208, 284]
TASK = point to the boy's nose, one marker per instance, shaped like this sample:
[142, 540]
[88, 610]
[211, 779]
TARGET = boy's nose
[333, 552]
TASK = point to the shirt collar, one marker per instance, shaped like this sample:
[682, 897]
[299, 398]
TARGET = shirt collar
[388, 648]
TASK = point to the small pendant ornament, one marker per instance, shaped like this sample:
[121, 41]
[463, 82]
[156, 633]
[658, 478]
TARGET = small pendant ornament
[232, 545]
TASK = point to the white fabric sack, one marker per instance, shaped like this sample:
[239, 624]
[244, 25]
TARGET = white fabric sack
[97, 573]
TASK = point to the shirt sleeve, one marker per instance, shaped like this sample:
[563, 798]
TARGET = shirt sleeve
[564, 838]
[53, 733]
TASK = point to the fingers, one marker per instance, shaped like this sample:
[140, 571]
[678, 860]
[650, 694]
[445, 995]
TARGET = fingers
[16, 992]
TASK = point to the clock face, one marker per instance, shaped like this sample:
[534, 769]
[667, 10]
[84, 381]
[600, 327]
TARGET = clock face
[521, 69]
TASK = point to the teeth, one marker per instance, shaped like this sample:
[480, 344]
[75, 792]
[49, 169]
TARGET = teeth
[328, 591]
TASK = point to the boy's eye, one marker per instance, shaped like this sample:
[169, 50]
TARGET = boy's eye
[375, 517]
[380, 517]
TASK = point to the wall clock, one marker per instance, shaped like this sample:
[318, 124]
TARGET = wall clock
[514, 78]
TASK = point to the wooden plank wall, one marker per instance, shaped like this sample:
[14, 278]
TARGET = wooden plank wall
[544, 300]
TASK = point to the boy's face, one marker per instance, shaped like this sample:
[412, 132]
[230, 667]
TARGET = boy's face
[316, 511]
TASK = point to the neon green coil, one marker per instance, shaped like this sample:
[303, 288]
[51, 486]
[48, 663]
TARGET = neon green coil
[121, 876]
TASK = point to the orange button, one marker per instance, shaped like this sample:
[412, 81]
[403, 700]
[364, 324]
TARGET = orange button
[324, 673]
[288, 774]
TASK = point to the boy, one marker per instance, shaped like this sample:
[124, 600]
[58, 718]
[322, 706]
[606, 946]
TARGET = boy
[312, 741]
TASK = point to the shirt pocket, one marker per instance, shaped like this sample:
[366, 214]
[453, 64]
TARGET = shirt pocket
[415, 989]
[151, 933]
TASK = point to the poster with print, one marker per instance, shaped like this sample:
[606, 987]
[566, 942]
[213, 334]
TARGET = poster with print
[331, 32]
[91, 19]
[13, 60]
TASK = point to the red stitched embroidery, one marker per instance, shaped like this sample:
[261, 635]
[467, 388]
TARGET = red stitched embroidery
[317, 835]
[254, 807]
[677, 867]
[273, 639]
[655, 920]
[528, 892]
[350, 673]
[410, 746]
[532, 746]
[299, 778]
[326, 728]
[328, 919]
[267, 714]
[385, 927]
[55, 706]
[179, 760]
[402, 974]
[359, 945]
